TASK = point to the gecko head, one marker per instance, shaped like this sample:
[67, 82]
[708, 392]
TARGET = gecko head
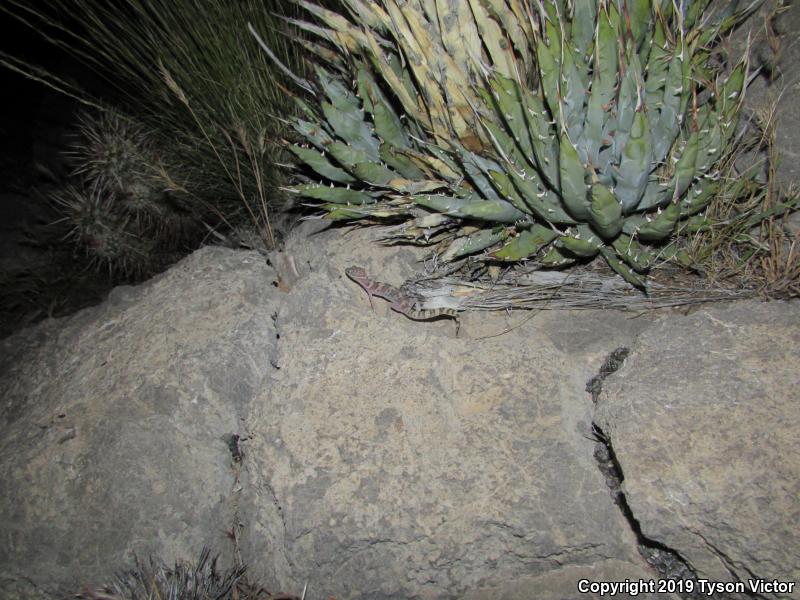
[355, 272]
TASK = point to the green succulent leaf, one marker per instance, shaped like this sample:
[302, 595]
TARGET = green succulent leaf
[583, 243]
[573, 187]
[498, 211]
[474, 242]
[556, 259]
[661, 225]
[347, 155]
[622, 269]
[528, 242]
[337, 195]
[605, 212]
[633, 172]
[353, 129]
[633, 253]
[322, 165]
[373, 173]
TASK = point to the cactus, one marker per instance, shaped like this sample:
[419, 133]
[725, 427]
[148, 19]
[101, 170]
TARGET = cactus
[554, 130]
[124, 210]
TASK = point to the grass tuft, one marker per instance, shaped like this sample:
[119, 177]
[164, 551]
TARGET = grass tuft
[746, 238]
[190, 72]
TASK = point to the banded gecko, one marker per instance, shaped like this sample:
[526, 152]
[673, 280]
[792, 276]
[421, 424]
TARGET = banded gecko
[399, 301]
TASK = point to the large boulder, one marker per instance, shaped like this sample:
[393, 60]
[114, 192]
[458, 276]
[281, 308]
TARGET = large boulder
[702, 419]
[113, 422]
[391, 459]
[380, 457]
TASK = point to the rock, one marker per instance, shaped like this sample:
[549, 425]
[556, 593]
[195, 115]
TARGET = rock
[112, 423]
[703, 421]
[382, 457]
[390, 459]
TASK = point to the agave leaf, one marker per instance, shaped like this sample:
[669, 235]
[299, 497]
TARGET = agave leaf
[313, 132]
[337, 195]
[410, 187]
[685, 167]
[507, 99]
[383, 63]
[622, 269]
[658, 62]
[605, 212]
[672, 252]
[351, 127]
[733, 90]
[476, 172]
[373, 173]
[584, 13]
[343, 32]
[661, 225]
[369, 13]
[431, 221]
[698, 196]
[504, 145]
[541, 201]
[474, 242]
[440, 202]
[696, 223]
[306, 109]
[573, 85]
[729, 19]
[677, 90]
[494, 40]
[348, 40]
[388, 126]
[338, 94]
[542, 136]
[322, 165]
[510, 14]
[604, 81]
[584, 243]
[549, 70]
[628, 103]
[721, 123]
[528, 242]
[401, 163]
[506, 189]
[340, 212]
[710, 145]
[348, 155]
[458, 30]
[434, 165]
[425, 59]
[657, 193]
[556, 259]
[633, 253]
[572, 174]
[638, 13]
[498, 211]
[635, 165]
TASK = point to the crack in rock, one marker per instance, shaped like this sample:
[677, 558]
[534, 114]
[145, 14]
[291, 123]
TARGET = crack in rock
[666, 561]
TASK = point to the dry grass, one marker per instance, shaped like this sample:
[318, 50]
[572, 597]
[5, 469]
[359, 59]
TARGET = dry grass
[190, 71]
[747, 241]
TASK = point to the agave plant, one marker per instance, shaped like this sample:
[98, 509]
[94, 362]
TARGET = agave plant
[551, 130]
